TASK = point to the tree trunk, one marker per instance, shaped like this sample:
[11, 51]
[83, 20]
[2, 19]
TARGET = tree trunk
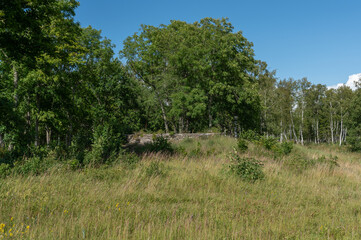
[16, 80]
[293, 128]
[164, 118]
[48, 136]
[341, 131]
[181, 125]
[317, 134]
[36, 140]
[331, 128]
[281, 136]
[210, 119]
[301, 128]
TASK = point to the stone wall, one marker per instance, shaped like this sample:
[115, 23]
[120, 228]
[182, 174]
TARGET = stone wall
[148, 138]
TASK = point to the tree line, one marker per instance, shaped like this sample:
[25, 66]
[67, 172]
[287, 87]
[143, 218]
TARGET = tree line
[64, 91]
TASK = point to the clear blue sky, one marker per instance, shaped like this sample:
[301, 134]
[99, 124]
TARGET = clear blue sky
[318, 39]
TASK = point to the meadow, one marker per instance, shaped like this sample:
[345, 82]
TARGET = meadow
[311, 193]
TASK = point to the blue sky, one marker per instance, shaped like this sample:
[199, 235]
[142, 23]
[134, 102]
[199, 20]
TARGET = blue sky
[318, 39]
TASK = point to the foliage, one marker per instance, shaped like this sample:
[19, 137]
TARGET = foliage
[286, 147]
[64, 95]
[155, 169]
[196, 152]
[250, 135]
[105, 147]
[268, 142]
[33, 166]
[195, 74]
[248, 169]
[242, 145]
[4, 170]
[129, 159]
[161, 144]
[300, 162]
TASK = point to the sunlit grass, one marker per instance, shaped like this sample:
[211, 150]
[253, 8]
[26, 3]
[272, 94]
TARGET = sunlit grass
[192, 198]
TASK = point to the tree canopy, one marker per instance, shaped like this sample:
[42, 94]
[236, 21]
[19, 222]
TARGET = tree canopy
[64, 92]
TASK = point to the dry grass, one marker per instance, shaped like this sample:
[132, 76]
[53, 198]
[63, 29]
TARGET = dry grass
[190, 197]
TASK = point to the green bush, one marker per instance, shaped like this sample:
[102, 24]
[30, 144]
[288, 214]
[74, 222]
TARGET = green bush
[73, 164]
[197, 152]
[299, 162]
[129, 160]
[248, 169]
[155, 169]
[332, 162]
[105, 147]
[268, 142]
[4, 170]
[34, 166]
[286, 147]
[242, 145]
[181, 151]
[250, 135]
[354, 143]
[161, 144]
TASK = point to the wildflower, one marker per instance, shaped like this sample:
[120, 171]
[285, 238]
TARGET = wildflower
[128, 203]
[11, 219]
[117, 205]
[27, 227]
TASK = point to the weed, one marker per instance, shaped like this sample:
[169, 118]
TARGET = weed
[161, 144]
[286, 147]
[268, 142]
[155, 169]
[242, 145]
[197, 152]
[33, 166]
[248, 169]
[250, 135]
[4, 170]
[129, 160]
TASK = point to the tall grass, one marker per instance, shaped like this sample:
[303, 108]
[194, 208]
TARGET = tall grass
[188, 196]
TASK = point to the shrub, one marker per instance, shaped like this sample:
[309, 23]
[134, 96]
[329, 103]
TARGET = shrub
[4, 170]
[161, 144]
[34, 166]
[286, 147]
[248, 169]
[155, 169]
[196, 152]
[181, 150]
[354, 143]
[242, 145]
[299, 162]
[268, 142]
[129, 160]
[105, 146]
[73, 164]
[250, 135]
[331, 161]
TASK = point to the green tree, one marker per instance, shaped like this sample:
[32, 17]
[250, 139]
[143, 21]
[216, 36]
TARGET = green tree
[201, 70]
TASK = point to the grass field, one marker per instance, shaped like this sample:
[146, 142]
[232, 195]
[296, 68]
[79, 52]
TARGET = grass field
[189, 196]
